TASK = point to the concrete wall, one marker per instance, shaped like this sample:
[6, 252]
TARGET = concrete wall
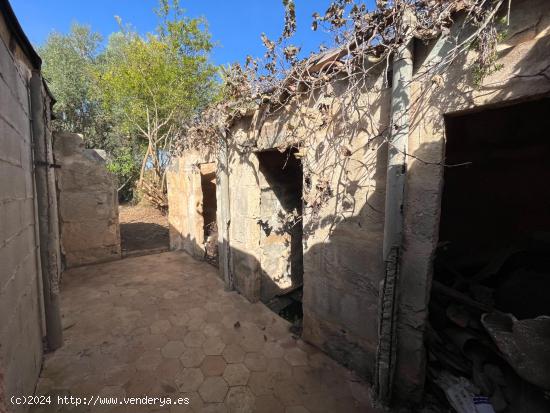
[88, 203]
[525, 58]
[20, 283]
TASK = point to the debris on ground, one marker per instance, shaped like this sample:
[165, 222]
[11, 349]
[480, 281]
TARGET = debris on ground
[211, 243]
[488, 336]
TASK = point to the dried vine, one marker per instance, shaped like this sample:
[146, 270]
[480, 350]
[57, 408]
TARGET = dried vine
[363, 45]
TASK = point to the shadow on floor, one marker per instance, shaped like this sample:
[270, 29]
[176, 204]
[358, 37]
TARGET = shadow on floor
[163, 326]
[143, 237]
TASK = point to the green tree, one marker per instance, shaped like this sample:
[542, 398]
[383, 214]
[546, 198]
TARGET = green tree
[68, 64]
[157, 84]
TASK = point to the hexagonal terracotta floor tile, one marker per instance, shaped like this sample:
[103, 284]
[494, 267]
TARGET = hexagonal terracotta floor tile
[240, 400]
[212, 329]
[194, 339]
[160, 326]
[179, 320]
[192, 357]
[233, 353]
[152, 341]
[213, 390]
[213, 365]
[255, 361]
[177, 333]
[279, 369]
[189, 379]
[260, 382]
[168, 370]
[236, 374]
[148, 361]
[252, 341]
[173, 349]
[213, 346]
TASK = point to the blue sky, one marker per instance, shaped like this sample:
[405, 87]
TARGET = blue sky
[235, 24]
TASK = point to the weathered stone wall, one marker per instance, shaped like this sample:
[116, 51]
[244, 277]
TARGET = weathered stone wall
[88, 203]
[525, 58]
[244, 231]
[185, 198]
[20, 283]
[342, 257]
[343, 237]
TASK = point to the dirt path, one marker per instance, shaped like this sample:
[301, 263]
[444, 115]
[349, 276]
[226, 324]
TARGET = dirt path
[142, 228]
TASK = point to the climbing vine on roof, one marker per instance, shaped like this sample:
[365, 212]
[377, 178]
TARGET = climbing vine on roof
[358, 34]
[363, 44]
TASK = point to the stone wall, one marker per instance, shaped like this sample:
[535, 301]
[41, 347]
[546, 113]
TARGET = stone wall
[88, 203]
[185, 198]
[524, 56]
[342, 258]
[343, 261]
[343, 238]
[21, 326]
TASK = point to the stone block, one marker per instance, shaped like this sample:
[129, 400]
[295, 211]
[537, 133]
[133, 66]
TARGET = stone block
[87, 206]
[88, 203]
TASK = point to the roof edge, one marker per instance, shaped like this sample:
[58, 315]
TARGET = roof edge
[15, 28]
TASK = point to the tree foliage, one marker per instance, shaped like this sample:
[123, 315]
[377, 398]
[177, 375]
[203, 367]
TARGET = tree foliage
[137, 94]
[158, 83]
[68, 62]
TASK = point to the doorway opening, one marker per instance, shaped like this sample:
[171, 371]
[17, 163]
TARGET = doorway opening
[208, 212]
[280, 178]
[489, 302]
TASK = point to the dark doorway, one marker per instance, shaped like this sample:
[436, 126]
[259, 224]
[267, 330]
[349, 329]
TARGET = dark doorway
[208, 212]
[280, 179]
[492, 268]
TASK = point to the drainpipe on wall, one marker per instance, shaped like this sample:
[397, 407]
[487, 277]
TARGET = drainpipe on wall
[224, 217]
[48, 225]
[393, 223]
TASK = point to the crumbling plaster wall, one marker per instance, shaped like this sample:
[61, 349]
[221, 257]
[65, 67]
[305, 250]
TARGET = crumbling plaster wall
[525, 58]
[88, 203]
[342, 257]
[21, 326]
[185, 200]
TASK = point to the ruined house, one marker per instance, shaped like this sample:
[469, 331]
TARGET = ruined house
[406, 240]
[390, 233]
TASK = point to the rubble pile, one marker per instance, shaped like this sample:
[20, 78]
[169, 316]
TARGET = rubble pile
[488, 336]
[211, 243]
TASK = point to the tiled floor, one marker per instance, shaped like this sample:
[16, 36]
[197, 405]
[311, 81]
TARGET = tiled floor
[162, 325]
